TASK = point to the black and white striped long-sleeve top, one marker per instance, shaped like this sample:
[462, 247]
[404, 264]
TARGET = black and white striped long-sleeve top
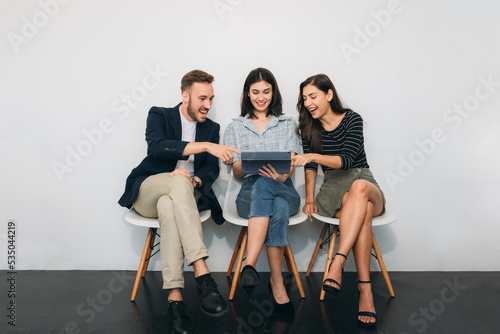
[345, 141]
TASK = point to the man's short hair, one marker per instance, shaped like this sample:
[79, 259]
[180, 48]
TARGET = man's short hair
[195, 76]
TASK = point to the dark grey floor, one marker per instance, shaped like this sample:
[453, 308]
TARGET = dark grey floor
[82, 302]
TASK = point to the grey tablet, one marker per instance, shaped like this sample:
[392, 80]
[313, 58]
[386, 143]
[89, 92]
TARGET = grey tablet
[252, 161]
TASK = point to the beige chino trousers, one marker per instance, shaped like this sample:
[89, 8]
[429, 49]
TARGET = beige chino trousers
[173, 200]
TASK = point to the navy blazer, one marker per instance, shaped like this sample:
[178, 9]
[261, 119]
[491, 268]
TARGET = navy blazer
[165, 147]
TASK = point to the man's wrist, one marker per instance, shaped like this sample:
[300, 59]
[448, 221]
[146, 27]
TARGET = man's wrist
[197, 181]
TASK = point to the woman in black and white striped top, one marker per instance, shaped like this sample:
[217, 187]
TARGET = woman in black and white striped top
[332, 137]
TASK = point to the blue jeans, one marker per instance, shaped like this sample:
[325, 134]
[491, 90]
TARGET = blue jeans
[261, 196]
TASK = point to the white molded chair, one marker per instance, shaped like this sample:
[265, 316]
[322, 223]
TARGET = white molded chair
[387, 218]
[134, 218]
[230, 214]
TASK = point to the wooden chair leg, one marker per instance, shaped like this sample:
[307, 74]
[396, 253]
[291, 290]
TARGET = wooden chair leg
[329, 259]
[142, 263]
[295, 271]
[287, 261]
[150, 249]
[235, 252]
[382, 265]
[238, 263]
[316, 250]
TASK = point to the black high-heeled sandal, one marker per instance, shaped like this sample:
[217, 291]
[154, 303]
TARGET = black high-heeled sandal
[249, 279]
[366, 325]
[330, 288]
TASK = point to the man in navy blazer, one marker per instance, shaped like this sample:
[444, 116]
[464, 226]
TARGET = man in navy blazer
[173, 183]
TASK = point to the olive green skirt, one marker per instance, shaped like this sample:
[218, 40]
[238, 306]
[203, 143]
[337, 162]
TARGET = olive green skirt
[335, 184]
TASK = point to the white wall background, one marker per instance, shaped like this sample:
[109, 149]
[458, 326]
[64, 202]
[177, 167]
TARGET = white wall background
[417, 72]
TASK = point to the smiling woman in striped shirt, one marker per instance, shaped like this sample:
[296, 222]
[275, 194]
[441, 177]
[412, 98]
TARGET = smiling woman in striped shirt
[332, 136]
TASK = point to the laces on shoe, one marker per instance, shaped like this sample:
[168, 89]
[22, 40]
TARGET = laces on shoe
[208, 285]
[178, 308]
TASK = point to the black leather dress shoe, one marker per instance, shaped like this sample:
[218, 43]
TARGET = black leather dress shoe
[211, 301]
[181, 323]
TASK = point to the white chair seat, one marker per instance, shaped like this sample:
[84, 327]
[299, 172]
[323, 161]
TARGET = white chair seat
[134, 218]
[388, 217]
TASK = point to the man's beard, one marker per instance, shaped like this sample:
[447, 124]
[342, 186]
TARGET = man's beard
[193, 113]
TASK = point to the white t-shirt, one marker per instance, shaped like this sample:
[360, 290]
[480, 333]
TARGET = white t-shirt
[189, 135]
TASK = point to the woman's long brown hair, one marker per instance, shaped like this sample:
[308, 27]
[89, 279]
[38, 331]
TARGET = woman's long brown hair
[309, 128]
